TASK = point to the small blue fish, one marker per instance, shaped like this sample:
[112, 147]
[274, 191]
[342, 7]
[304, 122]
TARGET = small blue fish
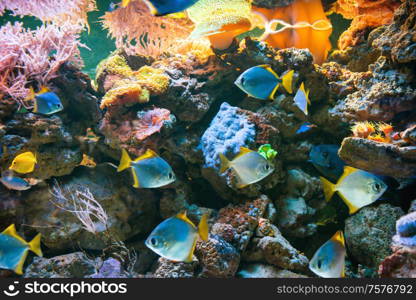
[326, 160]
[302, 99]
[14, 249]
[305, 127]
[46, 102]
[166, 7]
[14, 183]
[261, 82]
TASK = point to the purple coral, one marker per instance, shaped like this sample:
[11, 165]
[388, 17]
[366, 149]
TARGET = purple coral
[111, 268]
[227, 132]
[406, 230]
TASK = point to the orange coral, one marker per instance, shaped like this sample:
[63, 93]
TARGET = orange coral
[139, 32]
[365, 14]
[378, 132]
[363, 129]
[303, 24]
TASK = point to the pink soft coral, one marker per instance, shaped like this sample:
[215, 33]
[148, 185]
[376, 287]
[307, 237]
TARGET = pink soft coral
[151, 122]
[33, 57]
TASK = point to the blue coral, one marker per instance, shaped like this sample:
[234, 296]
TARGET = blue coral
[228, 131]
[406, 230]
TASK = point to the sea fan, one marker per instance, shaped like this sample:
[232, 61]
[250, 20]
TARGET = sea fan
[139, 32]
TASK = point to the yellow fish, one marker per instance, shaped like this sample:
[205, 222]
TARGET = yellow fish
[329, 260]
[357, 188]
[24, 163]
[175, 238]
[249, 166]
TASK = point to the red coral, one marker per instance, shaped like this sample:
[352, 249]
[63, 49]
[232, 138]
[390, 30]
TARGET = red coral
[151, 122]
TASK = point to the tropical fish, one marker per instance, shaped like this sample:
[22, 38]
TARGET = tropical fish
[329, 260]
[305, 127]
[87, 161]
[356, 187]
[175, 238]
[261, 82]
[14, 249]
[149, 170]
[14, 183]
[24, 163]
[302, 99]
[326, 160]
[46, 102]
[165, 7]
[249, 166]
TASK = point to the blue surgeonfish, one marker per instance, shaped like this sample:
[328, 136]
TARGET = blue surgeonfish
[305, 127]
[249, 167]
[326, 160]
[357, 188]
[45, 101]
[149, 170]
[165, 7]
[14, 183]
[329, 260]
[176, 237]
[14, 249]
[261, 82]
[302, 99]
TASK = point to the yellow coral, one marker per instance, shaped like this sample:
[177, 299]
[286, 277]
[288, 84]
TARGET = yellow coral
[152, 79]
[115, 64]
[220, 20]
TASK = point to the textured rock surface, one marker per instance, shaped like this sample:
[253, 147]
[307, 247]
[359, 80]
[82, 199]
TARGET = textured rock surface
[401, 264]
[265, 271]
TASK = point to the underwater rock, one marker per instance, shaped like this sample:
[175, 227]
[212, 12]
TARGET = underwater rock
[111, 268]
[170, 269]
[73, 265]
[10, 206]
[379, 158]
[368, 233]
[129, 213]
[401, 264]
[405, 231]
[265, 271]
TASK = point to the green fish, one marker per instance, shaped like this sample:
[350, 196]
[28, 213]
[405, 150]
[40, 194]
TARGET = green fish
[329, 260]
[249, 166]
[14, 249]
[357, 188]
[175, 238]
[149, 170]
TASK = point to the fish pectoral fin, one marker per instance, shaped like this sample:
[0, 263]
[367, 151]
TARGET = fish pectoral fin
[19, 267]
[182, 216]
[125, 161]
[328, 187]
[203, 227]
[136, 183]
[34, 245]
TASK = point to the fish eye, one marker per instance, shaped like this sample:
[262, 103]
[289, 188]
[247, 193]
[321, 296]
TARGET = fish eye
[319, 264]
[376, 187]
[153, 241]
[170, 175]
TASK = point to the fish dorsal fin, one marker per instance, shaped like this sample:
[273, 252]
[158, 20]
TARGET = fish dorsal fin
[338, 237]
[243, 151]
[347, 171]
[11, 231]
[148, 154]
[182, 216]
[43, 90]
[268, 68]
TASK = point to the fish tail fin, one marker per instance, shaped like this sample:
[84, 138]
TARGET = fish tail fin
[34, 245]
[225, 163]
[125, 161]
[19, 267]
[203, 227]
[329, 188]
[287, 81]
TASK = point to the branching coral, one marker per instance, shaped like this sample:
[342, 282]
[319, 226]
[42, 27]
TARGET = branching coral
[365, 14]
[56, 11]
[33, 57]
[145, 33]
[302, 24]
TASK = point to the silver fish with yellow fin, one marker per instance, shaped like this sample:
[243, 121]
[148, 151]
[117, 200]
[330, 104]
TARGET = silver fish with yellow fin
[149, 170]
[12, 182]
[176, 237]
[14, 249]
[302, 99]
[166, 7]
[261, 82]
[249, 166]
[45, 101]
[329, 260]
[24, 163]
[357, 188]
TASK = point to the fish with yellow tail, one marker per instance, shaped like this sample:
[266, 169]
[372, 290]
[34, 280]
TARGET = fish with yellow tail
[249, 167]
[14, 249]
[302, 99]
[329, 260]
[24, 163]
[176, 237]
[166, 7]
[149, 170]
[357, 188]
[261, 82]
[45, 101]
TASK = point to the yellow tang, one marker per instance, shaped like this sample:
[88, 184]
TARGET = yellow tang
[24, 163]
[149, 170]
[176, 237]
[329, 260]
[356, 187]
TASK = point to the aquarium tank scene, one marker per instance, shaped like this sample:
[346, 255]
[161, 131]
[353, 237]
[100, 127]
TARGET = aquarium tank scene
[207, 139]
